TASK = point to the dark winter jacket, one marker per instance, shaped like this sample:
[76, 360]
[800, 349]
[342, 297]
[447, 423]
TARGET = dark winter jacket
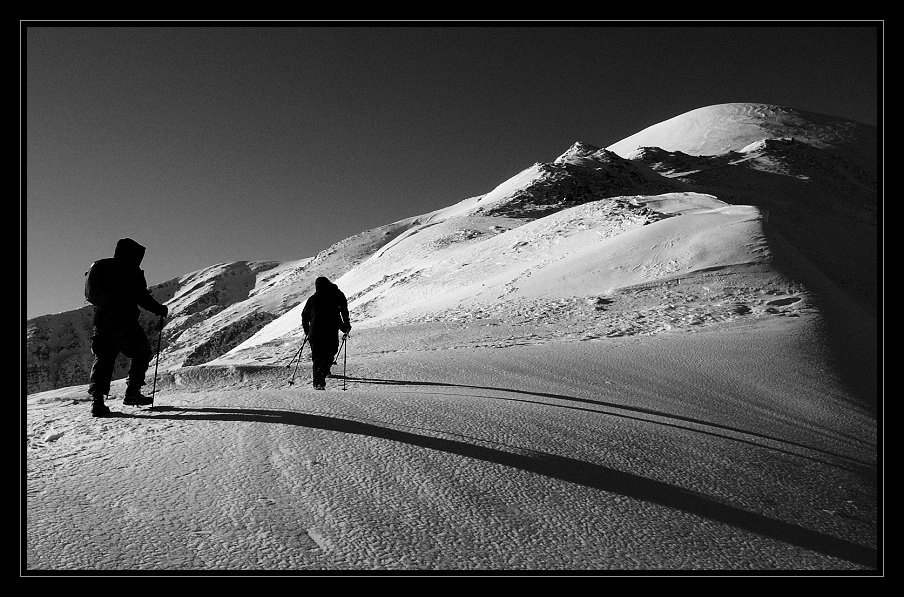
[325, 313]
[132, 290]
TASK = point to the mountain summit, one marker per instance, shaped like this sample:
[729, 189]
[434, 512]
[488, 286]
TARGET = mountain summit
[721, 128]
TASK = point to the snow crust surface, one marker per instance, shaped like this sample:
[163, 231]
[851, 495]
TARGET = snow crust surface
[616, 455]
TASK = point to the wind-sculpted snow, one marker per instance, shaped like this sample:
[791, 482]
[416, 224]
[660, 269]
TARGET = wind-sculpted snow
[524, 459]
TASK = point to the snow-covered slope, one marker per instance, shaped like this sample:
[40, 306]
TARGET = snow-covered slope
[714, 193]
[819, 189]
[475, 268]
[728, 449]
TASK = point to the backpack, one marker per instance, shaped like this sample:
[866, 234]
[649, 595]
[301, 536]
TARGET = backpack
[102, 286]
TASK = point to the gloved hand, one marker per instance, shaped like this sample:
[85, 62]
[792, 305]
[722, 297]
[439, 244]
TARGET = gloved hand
[164, 312]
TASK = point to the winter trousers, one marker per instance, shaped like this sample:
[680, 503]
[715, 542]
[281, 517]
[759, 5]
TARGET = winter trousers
[322, 354]
[106, 346]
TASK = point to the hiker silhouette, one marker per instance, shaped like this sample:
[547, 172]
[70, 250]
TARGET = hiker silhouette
[117, 288]
[325, 313]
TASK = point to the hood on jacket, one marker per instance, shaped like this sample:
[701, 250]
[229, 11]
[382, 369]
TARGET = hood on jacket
[130, 251]
[323, 285]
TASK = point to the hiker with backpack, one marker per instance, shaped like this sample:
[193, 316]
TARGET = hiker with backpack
[117, 287]
[325, 313]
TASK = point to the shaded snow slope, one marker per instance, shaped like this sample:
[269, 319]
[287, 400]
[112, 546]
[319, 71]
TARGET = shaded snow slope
[58, 350]
[824, 205]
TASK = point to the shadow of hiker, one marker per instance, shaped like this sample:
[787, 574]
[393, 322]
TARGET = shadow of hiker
[864, 468]
[567, 469]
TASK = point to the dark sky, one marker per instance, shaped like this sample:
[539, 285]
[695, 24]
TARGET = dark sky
[221, 143]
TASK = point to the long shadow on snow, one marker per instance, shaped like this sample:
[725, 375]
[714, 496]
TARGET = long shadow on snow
[866, 468]
[563, 468]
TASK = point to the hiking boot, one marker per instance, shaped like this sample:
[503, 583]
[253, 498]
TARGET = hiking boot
[137, 399]
[98, 408]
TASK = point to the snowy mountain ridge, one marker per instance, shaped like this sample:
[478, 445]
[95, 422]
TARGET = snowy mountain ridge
[591, 223]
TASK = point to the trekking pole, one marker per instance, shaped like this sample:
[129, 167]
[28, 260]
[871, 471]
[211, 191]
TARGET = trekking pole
[344, 361]
[298, 354]
[292, 380]
[336, 358]
[157, 363]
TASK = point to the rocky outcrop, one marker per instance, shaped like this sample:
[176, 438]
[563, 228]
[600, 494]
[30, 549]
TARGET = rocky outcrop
[582, 174]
